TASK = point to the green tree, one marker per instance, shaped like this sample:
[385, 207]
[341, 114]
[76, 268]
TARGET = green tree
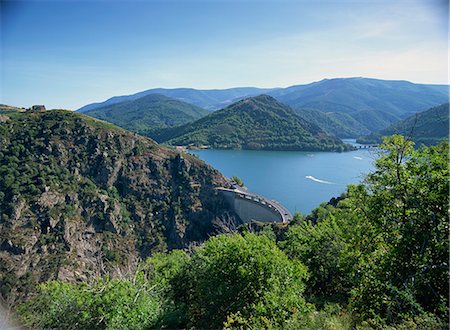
[406, 199]
[331, 246]
[383, 245]
[239, 275]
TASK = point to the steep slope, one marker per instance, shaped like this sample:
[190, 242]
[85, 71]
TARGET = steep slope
[148, 113]
[338, 124]
[211, 99]
[80, 197]
[255, 123]
[427, 127]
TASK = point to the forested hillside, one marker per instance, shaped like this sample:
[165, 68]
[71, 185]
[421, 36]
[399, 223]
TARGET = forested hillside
[148, 113]
[258, 123]
[338, 124]
[428, 127]
[354, 94]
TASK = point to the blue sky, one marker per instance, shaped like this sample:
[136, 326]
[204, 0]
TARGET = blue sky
[65, 54]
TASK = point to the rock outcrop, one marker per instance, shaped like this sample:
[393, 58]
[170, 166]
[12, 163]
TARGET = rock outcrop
[79, 198]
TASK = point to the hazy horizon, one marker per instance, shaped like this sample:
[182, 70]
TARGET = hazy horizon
[69, 54]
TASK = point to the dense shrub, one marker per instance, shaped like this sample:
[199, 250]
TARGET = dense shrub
[105, 304]
[245, 274]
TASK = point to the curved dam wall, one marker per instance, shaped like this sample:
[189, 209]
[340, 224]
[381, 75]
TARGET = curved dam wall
[250, 208]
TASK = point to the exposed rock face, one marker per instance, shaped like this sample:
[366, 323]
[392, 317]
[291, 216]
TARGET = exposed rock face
[79, 197]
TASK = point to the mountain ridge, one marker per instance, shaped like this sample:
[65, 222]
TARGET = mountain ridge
[373, 103]
[202, 99]
[277, 92]
[255, 123]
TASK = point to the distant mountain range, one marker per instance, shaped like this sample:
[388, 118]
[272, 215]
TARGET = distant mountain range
[211, 99]
[352, 95]
[150, 112]
[258, 123]
[373, 103]
[427, 127]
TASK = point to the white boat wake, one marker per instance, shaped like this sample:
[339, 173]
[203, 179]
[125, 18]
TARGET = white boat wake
[358, 158]
[318, 180]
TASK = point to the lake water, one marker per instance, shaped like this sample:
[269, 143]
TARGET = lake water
[298, 180]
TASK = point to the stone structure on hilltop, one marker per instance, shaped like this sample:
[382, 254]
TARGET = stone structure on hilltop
[38, 108]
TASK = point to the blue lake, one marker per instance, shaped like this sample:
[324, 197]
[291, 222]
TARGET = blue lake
[298, 180]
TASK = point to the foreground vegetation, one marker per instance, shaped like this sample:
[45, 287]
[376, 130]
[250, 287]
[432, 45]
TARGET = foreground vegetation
[375, 258]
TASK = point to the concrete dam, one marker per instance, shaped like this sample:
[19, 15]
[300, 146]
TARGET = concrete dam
[251, 207]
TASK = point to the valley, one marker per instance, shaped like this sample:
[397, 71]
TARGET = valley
[94, 215]
[224, 165]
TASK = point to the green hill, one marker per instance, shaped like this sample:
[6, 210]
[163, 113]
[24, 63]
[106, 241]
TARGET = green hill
[428, 127]
[375, 120]
[80, 197]
[148, 113]
[338, 124]
[258, 123]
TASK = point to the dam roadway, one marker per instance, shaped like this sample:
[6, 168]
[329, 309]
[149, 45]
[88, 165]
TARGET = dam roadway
[253, 207]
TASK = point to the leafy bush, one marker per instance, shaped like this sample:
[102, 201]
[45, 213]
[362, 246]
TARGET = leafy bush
[105, 304]
[245, 274]
[331, 249]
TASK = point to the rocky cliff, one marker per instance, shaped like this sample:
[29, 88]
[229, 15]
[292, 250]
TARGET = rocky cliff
[79, 197]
